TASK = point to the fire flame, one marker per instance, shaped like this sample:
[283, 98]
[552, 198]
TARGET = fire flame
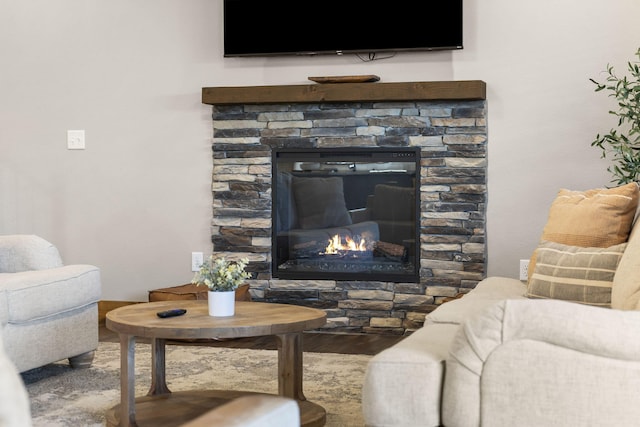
[337, 244]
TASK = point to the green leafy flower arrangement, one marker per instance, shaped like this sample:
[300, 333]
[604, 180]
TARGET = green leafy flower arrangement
[220, 275]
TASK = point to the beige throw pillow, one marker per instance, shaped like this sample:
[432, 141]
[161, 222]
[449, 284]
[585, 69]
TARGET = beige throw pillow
[598, 218]
[573, 273]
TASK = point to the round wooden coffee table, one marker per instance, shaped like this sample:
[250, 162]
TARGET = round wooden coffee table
[162, 408]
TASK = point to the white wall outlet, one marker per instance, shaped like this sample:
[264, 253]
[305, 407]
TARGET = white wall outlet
[524, 269]
[75, 140]
[197, 259]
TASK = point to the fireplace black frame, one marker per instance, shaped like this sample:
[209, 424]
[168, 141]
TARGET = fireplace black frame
[345, 155]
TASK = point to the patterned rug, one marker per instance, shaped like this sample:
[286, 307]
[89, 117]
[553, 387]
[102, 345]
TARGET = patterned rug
[61, 396]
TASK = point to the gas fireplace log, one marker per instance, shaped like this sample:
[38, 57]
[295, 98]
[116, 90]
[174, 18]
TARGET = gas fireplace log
[391, 250]
[309, 249]
[306, 245]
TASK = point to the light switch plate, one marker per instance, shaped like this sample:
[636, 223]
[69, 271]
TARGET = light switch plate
[75, 140]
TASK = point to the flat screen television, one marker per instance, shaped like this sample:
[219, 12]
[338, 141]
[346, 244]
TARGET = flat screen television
[266, 28]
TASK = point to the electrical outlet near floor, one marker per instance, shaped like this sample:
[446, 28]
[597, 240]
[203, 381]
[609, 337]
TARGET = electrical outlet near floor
[524, 269]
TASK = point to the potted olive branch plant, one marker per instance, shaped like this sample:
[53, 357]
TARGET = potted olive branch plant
[222, 277]
[623, 143]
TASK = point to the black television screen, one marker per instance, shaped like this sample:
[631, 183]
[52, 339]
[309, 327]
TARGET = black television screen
[264, 28]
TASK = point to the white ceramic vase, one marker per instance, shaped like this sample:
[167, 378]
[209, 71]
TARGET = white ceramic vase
[222, 304]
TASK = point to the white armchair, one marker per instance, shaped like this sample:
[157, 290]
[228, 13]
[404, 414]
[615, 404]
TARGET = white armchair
[48, 311]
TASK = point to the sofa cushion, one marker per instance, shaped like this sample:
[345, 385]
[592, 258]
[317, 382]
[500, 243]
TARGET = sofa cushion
[574, 273]
[34, 295]
[600, 217]
[320, 202]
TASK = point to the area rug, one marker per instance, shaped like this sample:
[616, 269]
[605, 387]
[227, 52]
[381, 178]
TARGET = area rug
[61, 396]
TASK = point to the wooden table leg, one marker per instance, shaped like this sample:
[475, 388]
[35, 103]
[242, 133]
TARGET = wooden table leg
[290, 365]
[158, 368]
[127, 381]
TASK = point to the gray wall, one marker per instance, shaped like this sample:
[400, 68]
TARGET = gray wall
[137, 201]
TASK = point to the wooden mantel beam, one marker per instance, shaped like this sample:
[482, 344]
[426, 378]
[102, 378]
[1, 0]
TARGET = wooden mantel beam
[346, 92]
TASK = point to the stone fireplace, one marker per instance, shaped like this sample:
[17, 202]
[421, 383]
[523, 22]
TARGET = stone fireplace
[444, 122]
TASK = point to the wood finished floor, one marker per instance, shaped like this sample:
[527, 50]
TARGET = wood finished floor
[316, 342]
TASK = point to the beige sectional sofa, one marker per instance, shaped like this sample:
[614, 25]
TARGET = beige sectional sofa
[496, 358]
[499, 356]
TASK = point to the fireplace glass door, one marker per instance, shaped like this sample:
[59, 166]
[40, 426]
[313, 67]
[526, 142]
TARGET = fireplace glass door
[346, 214]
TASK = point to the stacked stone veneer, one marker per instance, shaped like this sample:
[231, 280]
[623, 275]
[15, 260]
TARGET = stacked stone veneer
[452, 137]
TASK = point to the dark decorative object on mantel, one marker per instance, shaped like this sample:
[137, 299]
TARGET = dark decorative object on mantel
[366, 78]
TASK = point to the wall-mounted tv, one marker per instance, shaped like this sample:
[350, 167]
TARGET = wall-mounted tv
[300, 27]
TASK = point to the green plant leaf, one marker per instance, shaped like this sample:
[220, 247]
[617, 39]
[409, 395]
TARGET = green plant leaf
[623, 144]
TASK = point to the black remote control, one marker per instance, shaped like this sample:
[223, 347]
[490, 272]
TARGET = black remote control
[171, 313]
